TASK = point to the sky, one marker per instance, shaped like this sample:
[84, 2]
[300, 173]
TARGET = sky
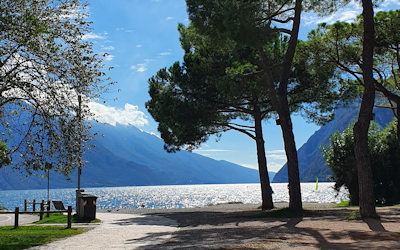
[141, 37]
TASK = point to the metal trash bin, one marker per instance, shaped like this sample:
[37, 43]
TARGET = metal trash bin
[88, 202]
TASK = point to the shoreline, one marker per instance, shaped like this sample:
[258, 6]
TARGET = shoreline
[220, 207]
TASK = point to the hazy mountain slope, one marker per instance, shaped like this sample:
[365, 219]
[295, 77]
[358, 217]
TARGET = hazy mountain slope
[126, 156]
[311, 160]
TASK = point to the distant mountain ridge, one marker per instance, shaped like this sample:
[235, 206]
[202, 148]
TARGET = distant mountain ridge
[311, 161]
[127, 156]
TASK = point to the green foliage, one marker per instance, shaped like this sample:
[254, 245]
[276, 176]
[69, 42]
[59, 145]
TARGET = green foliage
[382, 148]
[341, 44]
[213, 86]
[4, 155]
[28, 236]
[45, 64]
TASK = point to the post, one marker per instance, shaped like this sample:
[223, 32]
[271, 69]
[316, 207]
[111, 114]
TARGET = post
[69, 217]
[41, 211]
[48, 208]
[25, 206]
[16, 216]
[34, 205]
[80, 149]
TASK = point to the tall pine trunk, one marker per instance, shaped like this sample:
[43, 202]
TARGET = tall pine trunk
[295, 203]
[366, 190]
[266, 193]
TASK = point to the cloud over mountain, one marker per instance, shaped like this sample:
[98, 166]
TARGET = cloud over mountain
[130, 115]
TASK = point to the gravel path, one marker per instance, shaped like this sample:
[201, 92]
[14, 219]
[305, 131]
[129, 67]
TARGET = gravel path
[118, 231]
[234, 226]
[231, 226]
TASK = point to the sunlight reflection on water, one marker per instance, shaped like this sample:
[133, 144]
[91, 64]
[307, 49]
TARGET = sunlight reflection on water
[179, 196]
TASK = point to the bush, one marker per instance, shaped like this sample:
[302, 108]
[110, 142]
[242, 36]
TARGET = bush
[384, 156]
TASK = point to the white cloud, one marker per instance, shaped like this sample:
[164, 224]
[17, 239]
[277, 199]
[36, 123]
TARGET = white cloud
[138, 46]
[249, 166]
[386, 3]
[92, 36]
[130, 115]
[108, 48]
[277, 156]
[278, 151]
[140, 67]
[129, 31]
[165, 54]
[274, 167]
[169, 18]
[346, 14]
[108, 57]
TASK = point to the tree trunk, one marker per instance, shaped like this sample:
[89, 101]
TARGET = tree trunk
[366, 189]
[295, 203]
[280, 103]
[266, 192]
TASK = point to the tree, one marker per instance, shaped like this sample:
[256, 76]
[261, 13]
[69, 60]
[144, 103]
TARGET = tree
[206, 95]
[341, 160]
[252, 23]
[216, 84]
[45, 67]
[387, 61]
[343, 44]
[364, 169]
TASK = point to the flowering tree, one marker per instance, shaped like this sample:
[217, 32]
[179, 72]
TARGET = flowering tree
[48, 74]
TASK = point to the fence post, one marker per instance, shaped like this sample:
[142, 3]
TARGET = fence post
[34, 205]
[69, 216]
[48, 208]
[16, 216]
[41, 211]
[25, 205]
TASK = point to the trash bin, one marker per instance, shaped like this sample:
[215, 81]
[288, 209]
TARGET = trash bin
[89, 206]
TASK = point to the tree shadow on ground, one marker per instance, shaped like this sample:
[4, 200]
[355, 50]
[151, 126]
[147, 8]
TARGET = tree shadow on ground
[241, 230]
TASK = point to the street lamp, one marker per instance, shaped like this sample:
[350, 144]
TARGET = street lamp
[48, 167]
[79, 210]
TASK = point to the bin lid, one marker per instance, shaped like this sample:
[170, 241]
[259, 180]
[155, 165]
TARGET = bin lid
[88, 196]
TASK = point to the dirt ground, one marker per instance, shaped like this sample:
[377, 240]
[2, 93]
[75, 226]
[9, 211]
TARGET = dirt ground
[234, 226]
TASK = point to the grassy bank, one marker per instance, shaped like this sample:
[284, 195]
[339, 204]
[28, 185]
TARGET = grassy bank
[61, 218]
[28, 236]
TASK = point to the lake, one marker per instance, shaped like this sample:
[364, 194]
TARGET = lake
[178, 196]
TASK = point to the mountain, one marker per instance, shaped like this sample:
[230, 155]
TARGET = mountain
[127, 156]
[311, 160]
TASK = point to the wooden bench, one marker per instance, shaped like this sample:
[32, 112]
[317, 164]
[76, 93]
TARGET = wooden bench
[59, 205]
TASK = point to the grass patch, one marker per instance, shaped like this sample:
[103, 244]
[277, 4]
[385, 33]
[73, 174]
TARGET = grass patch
[344, 204]
[29, 236]
[61, 218]
[286, 213]
[354, 215]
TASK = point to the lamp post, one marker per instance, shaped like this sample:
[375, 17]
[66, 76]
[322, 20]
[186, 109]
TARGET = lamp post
[79, 209]
[79, 136]
[48, 167]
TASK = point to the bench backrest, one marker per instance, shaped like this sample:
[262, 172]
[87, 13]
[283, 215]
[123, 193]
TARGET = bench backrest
[59, 205]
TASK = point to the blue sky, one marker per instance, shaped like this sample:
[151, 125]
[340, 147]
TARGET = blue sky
[141, 37]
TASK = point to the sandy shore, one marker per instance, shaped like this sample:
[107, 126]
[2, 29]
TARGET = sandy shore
[233, 226]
